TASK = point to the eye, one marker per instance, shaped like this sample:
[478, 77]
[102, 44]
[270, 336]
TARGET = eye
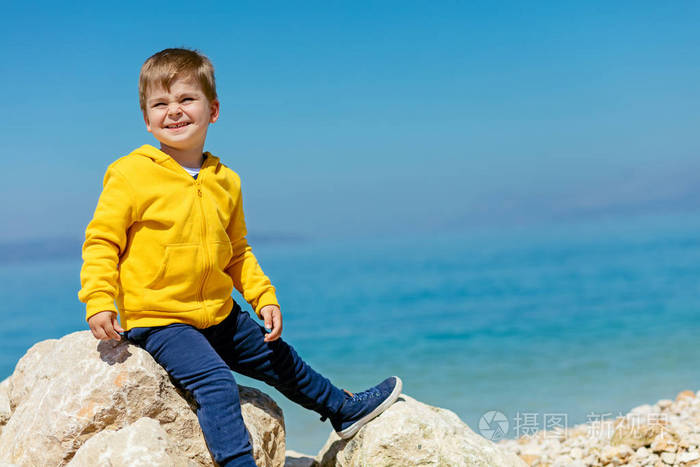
[187, 99]
[158, 104]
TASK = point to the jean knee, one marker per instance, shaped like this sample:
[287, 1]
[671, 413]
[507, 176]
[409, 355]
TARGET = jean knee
[215, 385]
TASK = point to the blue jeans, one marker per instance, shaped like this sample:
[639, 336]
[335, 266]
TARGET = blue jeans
[201, 360]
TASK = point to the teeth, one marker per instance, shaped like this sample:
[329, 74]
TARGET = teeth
[177, 125]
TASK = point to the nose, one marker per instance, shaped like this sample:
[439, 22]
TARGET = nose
[174, 108]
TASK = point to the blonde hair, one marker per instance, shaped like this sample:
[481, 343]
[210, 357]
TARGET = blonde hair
[163, 67]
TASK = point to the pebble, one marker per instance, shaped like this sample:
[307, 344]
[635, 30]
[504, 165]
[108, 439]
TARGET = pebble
[668, 457]
[664, 403]
[576, 453]
[688, 456]
[676, 444]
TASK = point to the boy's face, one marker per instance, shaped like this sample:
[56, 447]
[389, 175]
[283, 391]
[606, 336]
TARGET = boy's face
[179, 117]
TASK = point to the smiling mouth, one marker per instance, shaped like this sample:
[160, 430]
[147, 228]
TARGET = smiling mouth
[175, 126]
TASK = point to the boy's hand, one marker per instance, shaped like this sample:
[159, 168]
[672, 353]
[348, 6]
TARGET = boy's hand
[273, 320]
[104, 325]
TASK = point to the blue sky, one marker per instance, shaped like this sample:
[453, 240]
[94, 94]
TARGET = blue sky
[347, 118]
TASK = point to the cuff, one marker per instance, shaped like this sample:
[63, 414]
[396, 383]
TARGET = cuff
[99, 302]
[267, 298]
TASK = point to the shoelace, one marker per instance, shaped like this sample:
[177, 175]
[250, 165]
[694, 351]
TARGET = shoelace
[361, 396]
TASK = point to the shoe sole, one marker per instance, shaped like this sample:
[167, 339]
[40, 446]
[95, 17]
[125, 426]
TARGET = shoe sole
[350, 431]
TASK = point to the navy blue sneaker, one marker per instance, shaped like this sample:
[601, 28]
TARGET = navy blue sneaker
[361, 407]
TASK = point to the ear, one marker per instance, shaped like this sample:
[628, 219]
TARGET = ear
[148, 124]
[214, 110]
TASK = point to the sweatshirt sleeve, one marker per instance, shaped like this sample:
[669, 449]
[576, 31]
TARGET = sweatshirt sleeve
[246, 273]
[105, 241]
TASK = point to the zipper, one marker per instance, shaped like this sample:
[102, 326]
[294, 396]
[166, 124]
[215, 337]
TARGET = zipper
[198, 188]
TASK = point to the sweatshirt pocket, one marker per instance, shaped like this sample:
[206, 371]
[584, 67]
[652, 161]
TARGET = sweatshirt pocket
[178, 279]
[219, 283]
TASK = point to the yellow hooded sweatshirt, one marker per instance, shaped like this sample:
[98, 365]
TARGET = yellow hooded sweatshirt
[168, 248]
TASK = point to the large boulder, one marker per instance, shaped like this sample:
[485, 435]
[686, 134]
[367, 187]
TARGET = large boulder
[413, 433]
[63, 392]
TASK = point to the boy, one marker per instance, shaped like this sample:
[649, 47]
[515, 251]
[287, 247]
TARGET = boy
[167, 243]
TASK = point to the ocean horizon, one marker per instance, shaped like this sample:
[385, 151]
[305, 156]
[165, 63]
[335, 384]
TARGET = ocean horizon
[578, 319]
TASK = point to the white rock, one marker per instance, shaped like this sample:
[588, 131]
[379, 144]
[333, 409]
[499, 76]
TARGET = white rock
[5, 385]
[65, 391]
[144, 443]
[412, 433]
[668, 458]
[562, 461]
[576, 453]
[688, 456]
[664, 403]
[5, 411]
[642, 410]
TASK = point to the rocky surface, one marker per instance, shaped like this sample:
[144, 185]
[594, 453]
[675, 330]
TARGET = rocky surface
[5, 411]
[63, 392]
[81, 402]
[413, 433]
[660, 435]
[143, 443]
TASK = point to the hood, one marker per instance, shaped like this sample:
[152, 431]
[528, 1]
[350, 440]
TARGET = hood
[160, 157]
[151, 152]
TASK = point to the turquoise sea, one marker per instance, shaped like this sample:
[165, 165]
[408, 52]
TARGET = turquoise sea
[572, 318]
